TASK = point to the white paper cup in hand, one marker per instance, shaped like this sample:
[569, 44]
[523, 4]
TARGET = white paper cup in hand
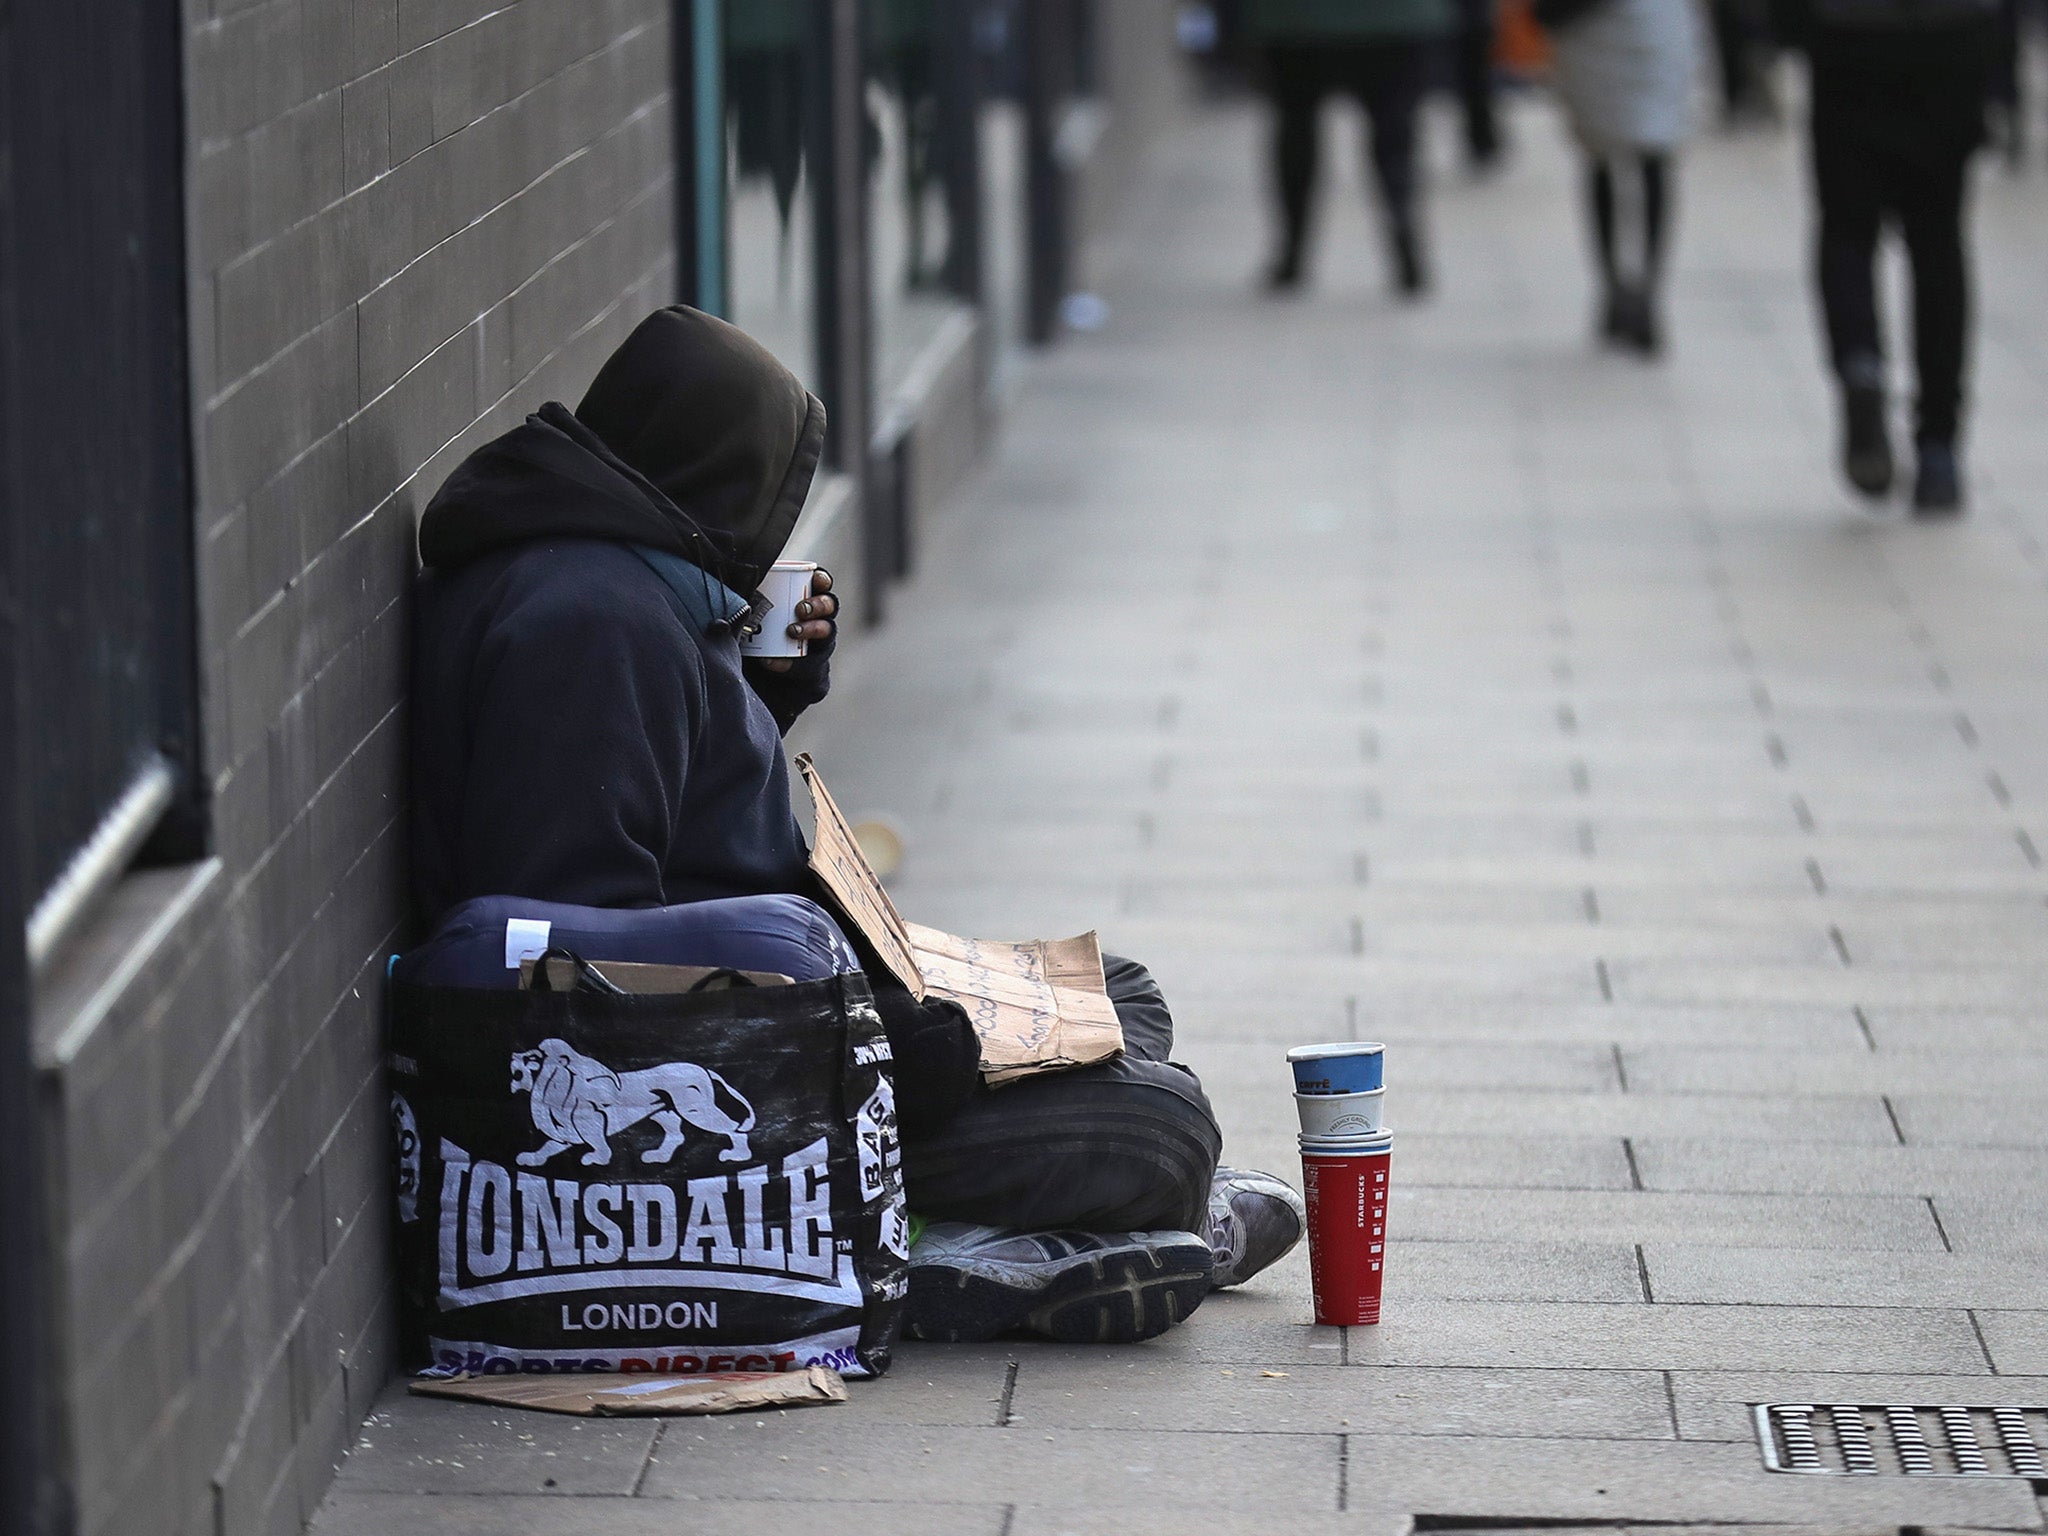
[1340, 1115]
[787, 583]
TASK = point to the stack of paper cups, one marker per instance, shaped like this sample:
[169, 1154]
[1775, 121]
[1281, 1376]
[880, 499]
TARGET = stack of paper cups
[1346, 1154]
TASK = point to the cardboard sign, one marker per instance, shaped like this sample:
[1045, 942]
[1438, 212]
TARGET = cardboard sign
[611, 1397]
[1038, 1006]
[843, 870]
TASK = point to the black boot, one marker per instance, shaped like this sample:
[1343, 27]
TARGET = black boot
[1866, 438]
[1645, 334]
[1614, 309]
[1411, 276]
[1938, 487]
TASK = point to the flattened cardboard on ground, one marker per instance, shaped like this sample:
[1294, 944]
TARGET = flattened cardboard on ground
[1038, 1006]
[640, 1396]
[642, 979]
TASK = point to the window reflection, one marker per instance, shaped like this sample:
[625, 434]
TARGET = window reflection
[910, 230]
[771, 265]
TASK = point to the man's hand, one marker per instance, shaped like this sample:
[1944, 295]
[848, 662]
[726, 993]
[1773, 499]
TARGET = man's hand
[817, 619]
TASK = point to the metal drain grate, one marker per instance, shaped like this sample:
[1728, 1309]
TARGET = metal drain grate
[1903, 1439]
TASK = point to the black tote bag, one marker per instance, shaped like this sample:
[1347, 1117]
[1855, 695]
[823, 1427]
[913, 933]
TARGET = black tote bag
[673, 1183]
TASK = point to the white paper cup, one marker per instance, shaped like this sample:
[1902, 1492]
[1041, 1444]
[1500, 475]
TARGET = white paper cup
[1340, 1116]
[787, 583]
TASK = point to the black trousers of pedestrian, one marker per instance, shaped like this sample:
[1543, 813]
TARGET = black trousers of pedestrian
[1741, 28]
[1896, 117]
[1472, 67]
[1387, 76]
[1128, 1145]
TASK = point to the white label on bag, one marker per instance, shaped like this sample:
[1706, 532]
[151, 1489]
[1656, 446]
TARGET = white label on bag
[526, 938]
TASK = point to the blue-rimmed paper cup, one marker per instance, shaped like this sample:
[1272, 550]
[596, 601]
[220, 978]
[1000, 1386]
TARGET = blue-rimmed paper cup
[1349, 1066]
[1340, 1115]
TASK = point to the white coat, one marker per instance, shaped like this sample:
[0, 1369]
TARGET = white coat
[1628, 71]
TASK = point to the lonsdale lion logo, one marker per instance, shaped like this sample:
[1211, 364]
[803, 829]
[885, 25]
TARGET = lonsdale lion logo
[581, 1102]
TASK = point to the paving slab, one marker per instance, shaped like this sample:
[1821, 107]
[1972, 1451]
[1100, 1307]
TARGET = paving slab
[427, 1445]
[1383, 1520]
[1978, 1121]
[1667, 1069]
[1619, 1481]
[456, 1514]
[1564, 1335]
[832, 1455]
[1806, 1277]
[1108, 1391]
[2001, 1221]
[1778, 1118]
[2016, 1341]
[1635, 1216]
[1833, 1168]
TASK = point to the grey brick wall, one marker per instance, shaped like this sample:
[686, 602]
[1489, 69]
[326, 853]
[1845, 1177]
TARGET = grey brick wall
[410, 222]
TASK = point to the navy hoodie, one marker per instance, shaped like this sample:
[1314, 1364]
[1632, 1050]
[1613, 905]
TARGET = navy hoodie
[581, 733]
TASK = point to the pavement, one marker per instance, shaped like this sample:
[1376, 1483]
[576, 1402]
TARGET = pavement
[1423, 674]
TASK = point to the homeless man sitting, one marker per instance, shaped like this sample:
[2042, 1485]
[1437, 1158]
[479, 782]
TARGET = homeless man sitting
[577, 677]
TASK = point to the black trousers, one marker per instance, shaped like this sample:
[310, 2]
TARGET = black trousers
[1128, 1145]
[1387, 76]
[1472, 68]
[1741, 28]
[1896, 117]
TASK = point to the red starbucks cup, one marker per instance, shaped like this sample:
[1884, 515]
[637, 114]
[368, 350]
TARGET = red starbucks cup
[1345, 1183]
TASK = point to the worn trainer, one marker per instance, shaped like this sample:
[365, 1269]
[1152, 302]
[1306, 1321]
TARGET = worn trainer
[969, 1283]
[1254, 1219]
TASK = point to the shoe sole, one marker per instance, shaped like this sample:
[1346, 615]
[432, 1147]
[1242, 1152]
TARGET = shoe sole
[1117, 1297]
[1124, 1298]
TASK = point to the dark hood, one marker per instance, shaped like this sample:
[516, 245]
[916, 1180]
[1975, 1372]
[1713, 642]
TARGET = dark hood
[693, 440]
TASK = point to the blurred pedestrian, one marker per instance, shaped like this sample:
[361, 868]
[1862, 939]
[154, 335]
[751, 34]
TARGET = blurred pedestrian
[1898, 92]
[2009, 82]
[1627, 71]
[1377, 51]
[1472, 66]
[1743, 51]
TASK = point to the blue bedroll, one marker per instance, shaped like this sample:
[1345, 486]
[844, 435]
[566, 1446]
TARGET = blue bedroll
[478, 944]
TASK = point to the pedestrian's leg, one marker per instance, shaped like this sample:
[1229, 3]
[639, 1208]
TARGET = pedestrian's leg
[1474, 67]
[1601, 221]
[1730, 51]
[1295, 80]
[1389, 84]
[1931, 218]
[1658, 172]
[1849, 188]
[1849, 184]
